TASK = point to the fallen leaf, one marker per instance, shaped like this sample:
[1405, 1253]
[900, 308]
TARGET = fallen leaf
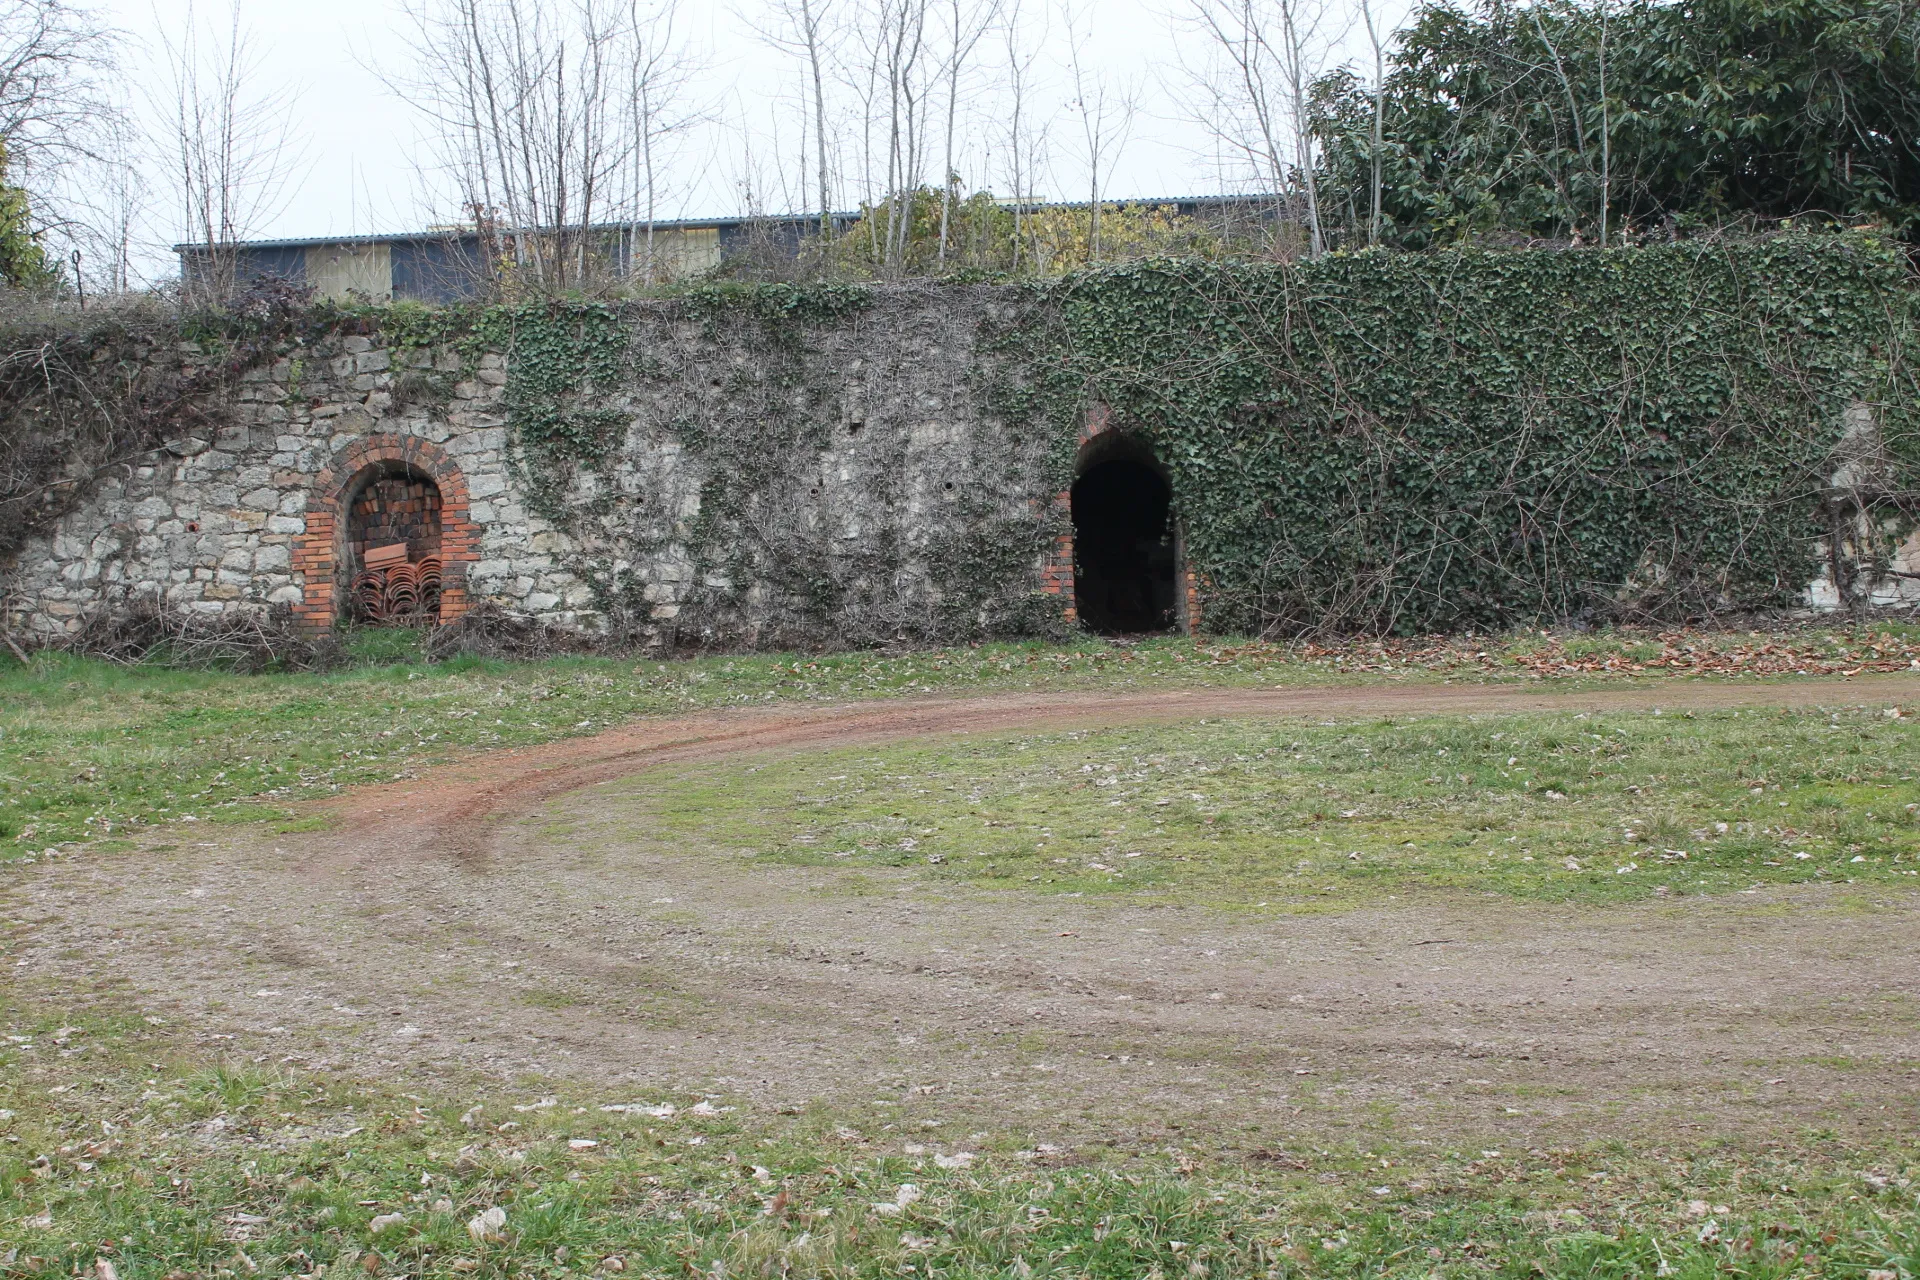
[488, 1227]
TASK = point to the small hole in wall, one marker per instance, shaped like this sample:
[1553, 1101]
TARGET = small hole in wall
[853, 428]
[193, 526]
[948, 486]
[716, 382]
[815, 489]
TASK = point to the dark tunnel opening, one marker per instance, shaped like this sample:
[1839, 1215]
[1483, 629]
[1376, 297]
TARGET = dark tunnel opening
[1123, 548]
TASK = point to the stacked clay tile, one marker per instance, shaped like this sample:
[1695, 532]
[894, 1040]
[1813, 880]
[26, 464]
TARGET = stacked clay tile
[393, 589]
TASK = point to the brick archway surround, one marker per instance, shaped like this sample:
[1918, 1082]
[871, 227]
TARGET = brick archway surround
[318, 552]
[1056, 576]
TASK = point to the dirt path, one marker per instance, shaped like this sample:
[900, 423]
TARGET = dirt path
[439, 929]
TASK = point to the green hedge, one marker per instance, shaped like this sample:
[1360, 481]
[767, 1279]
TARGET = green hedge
[1465, 439]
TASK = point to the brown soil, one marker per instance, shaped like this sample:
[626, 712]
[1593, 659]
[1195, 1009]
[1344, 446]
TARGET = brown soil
[435, 929]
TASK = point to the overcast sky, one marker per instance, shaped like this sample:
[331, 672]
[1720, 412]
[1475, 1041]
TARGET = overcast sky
[359, 163]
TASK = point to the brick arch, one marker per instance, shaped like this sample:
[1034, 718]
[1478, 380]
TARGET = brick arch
[318, 551]
[1056, 575]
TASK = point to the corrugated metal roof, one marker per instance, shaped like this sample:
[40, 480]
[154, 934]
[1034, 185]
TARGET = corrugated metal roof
[698, 224]
[427, 237]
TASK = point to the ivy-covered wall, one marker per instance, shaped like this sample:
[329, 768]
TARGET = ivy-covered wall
[1370, 442]
[1396, 442]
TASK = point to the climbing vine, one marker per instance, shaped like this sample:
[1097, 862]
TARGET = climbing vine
[82, 398]
[1393, 442]
[764, 390]
[1371, 442]
[784, 309]
[564, 360]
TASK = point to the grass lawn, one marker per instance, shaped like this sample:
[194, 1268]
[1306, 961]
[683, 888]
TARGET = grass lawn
[127, 1153]
[138, 1148]
[89, 750]
[1566, 807]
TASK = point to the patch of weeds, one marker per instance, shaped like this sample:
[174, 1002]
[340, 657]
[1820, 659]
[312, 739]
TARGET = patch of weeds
[240, 814]
[549, 999]
[373, 646]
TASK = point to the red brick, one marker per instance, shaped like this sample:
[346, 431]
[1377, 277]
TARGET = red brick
[316, 552]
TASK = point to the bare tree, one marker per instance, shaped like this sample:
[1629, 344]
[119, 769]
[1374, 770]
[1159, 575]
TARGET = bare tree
[661, 71]
[54, 59]
[1266, 60]
[890, 68]
[1576, 124]
[804, 27]
[1298, 20]
[226, 143]
[1106, 114]
[548, 120]
[1606, 132]
[58, 122]
[1026, 138]
[859, 71]
[968, 22]
[102, 203]
[904, 48]
[1372, 20]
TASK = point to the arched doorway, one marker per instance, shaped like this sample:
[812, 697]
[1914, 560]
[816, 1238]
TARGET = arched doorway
[1124, 554]
[385, 500]
[393, 567]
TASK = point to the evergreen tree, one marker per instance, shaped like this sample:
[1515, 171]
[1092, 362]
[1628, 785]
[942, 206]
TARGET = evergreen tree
[1560, 117]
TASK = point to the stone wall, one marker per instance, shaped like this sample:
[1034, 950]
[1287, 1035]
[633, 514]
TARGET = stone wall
[854, 478]
[757, 492]
[237, 516]
[844, 480]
